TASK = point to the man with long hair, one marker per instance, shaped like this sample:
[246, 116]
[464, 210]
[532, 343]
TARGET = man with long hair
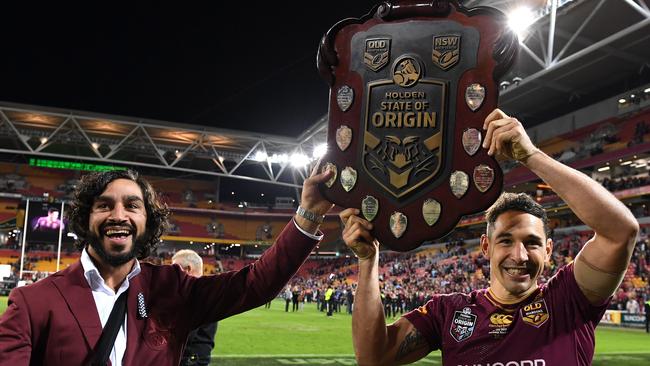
[515, 321]
[109, 306]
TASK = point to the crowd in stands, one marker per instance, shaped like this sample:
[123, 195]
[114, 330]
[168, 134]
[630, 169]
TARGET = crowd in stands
[408, 280]
[623, 182]
[640, 130]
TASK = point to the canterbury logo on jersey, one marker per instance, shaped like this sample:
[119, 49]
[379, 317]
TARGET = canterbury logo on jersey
[500, 319]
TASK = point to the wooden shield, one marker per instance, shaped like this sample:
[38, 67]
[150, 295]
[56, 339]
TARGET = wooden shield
[414, 81]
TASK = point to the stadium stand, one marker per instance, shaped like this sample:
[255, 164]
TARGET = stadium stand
[229, 236]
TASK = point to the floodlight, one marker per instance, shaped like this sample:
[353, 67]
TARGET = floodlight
[520, 19]
[319, 151]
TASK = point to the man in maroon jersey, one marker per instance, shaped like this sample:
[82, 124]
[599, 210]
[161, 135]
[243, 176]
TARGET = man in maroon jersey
[515, 321]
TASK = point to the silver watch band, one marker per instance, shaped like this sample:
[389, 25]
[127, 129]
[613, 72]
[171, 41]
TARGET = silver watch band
[309, 215]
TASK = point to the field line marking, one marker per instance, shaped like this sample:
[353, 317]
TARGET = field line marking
[338, 355]
[309, 355]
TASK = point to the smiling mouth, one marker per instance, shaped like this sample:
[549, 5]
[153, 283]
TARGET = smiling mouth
[517, 272]
[117, 234]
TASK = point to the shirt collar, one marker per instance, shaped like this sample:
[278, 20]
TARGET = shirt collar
[95, 280]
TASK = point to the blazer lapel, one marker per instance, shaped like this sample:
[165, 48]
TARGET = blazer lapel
[74, 288]
[135, 324]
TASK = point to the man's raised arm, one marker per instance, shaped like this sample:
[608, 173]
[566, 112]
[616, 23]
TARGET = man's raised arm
[374, 342]
[601, 264]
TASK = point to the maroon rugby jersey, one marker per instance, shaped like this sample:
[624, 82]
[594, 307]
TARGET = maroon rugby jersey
[553, 326]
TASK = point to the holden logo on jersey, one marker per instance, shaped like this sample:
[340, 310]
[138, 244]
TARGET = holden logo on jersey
[535, 313]
[499, 324]
[463, 324]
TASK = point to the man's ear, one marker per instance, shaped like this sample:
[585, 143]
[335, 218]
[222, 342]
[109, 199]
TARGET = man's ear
[485, 243]
[549, 249]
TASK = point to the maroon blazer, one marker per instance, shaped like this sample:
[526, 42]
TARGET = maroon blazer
[55, 322]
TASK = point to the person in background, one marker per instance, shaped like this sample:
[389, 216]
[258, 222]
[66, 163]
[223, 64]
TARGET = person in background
[329, 299]
[646, 308]
[287, 298]
[200, 342]
[632, 306]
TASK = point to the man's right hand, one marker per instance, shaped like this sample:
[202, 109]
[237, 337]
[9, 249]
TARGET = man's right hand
[356, 234]
[312, 200]
[505, 135]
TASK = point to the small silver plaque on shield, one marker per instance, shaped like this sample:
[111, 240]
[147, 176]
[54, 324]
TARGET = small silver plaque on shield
[343, 137]
[483, 177]
[459, 182]
[332, 167]
[344, 97]
[431, 211]
[471, 140]
[398, 223]
[348, 178]
[474, 96]
[369, 207]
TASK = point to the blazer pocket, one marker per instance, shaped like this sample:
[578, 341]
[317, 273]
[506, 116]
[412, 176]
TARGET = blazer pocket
[156, 337]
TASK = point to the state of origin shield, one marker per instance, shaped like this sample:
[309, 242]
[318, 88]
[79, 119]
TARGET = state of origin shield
[410, 86]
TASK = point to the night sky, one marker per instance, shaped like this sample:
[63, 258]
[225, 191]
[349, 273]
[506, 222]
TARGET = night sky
[245, 66]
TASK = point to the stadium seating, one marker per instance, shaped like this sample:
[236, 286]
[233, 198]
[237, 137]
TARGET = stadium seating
[448, 264]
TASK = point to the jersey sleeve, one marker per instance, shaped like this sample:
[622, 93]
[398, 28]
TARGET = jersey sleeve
[567, 295]
[428, 320]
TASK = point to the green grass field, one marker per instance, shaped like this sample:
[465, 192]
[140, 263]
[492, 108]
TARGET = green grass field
[264, 337]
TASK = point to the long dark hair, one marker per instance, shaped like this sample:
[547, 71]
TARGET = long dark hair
[93, 185]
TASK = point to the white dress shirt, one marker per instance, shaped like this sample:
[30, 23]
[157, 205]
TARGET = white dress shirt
[105, 298]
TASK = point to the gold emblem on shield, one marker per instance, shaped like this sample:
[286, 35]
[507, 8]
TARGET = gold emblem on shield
[459, 182]
[377, 53]
[343, 137]
[398, 223]
[407, 72]
[369, 207]
[483, 177]
[446, 51]
[332, 167]
[348, 178]
[431, 211]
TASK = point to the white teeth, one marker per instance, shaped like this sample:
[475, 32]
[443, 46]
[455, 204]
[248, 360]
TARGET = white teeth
[117, 232]
[516, 271]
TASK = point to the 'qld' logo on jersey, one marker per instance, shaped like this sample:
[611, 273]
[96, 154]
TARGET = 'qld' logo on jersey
[535, 313]
[463, 324]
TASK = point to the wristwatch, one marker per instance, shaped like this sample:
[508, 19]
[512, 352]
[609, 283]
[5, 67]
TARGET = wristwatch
[309, 215]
